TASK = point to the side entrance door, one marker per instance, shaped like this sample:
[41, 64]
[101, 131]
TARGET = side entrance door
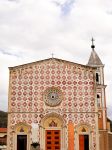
[83, 142]
[21, 142]
[53, 140]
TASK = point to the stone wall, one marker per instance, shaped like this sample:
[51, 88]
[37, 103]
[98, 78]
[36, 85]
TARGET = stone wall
[103, 140]
[109, 141]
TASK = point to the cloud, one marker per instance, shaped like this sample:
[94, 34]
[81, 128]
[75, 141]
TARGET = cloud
[66, 6]
[31, 30]
[6, 52]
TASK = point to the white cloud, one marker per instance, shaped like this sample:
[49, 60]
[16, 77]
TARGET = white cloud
[32, 29]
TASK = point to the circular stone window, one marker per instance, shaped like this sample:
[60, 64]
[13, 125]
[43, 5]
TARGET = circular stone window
[52, 96]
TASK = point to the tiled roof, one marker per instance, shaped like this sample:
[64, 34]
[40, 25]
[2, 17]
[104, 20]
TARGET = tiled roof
[94, 59]
[3, 130]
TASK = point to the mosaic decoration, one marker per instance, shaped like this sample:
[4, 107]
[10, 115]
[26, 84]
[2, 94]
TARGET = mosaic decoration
[83, 130]
[22, 129]
[53, 124]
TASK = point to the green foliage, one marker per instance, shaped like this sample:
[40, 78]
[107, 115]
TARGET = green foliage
[3, 119]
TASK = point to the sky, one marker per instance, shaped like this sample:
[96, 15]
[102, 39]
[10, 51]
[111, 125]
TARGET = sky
[31, 30]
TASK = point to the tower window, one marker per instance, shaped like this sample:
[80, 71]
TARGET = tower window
[98, 100]
[98, 96]
[99, 115]
[97, 77]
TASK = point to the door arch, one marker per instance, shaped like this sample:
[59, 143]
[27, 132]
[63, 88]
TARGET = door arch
[54, 124]
[83, 137]
[22, 136]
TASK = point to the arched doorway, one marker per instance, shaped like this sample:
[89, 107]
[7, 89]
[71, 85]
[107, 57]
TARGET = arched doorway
[83, 137]
[22, 136]
[52, 132]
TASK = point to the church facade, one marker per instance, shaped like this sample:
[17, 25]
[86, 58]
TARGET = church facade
[58, 105]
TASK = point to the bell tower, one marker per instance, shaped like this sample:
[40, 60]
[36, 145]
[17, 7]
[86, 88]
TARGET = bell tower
[95, 61]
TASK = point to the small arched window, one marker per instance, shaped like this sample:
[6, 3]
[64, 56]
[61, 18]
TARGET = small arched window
[98, 100]
[97, 77]
[98, 96]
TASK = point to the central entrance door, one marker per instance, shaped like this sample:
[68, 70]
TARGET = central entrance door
[83, 142]
[52, 139]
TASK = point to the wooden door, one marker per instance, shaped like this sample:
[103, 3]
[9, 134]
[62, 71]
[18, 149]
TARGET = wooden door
[21, 142]
[86, 142]
[52, 139]
[83, 142]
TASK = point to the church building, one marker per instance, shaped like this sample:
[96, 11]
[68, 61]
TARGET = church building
[56, 104]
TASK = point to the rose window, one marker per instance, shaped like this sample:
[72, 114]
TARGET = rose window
[52, 96]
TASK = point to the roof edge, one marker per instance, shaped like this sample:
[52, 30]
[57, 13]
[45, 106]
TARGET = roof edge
[61, 60]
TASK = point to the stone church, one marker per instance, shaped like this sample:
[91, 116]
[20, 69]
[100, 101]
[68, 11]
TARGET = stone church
[56, 104]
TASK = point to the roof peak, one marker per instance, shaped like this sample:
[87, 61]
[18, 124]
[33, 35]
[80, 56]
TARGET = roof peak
[94, 59]
[49, 59]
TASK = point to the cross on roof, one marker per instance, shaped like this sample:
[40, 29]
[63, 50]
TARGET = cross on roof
[92, 41]
[92, 46]
[52, 55]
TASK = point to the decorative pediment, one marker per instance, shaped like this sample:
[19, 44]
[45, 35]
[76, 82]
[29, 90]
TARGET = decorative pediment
[84, 129]
[21, 127]
[52, 120]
